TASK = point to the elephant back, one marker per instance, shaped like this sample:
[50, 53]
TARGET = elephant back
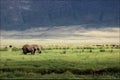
[35, 46]
[27, 47]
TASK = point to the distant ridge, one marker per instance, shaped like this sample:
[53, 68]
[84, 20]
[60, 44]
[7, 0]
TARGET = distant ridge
[26, 14]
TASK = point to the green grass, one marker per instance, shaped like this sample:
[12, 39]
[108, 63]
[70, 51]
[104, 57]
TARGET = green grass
[62, 63]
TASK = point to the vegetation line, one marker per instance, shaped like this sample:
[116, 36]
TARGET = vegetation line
[60, 71]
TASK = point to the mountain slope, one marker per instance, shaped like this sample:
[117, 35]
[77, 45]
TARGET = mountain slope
[63, 32]
[25, 14]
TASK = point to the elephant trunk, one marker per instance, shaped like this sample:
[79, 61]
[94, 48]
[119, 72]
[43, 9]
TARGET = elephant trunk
[39, 50]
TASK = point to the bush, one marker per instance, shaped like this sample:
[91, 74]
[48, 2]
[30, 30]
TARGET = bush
[4, 49]
[82, 50]
[111, 50]
[90, 50]
[102, 50]
[15, 49]
[63, 52]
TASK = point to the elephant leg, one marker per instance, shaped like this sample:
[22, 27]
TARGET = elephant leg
[39, 50]
[33, 52]
[25, 53]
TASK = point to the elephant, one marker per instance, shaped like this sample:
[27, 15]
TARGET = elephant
[31, 49]
[38, 48]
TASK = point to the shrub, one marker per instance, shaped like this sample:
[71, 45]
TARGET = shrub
[48, 48]
[15, 49]
[4, 49]
[82, 50]
[102, 50]
[63, 52]
[90, 50]
[111, 50]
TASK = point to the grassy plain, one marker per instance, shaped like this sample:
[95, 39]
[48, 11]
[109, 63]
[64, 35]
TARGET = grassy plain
[62, 62]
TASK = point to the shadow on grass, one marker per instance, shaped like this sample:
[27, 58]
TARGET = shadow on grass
[60, 71]
[56, 66]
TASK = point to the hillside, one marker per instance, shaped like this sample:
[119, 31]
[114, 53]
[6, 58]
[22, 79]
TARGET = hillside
[26, 14]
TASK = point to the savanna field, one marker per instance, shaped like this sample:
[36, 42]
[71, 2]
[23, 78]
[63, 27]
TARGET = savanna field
[60, 39]
[61, 62]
